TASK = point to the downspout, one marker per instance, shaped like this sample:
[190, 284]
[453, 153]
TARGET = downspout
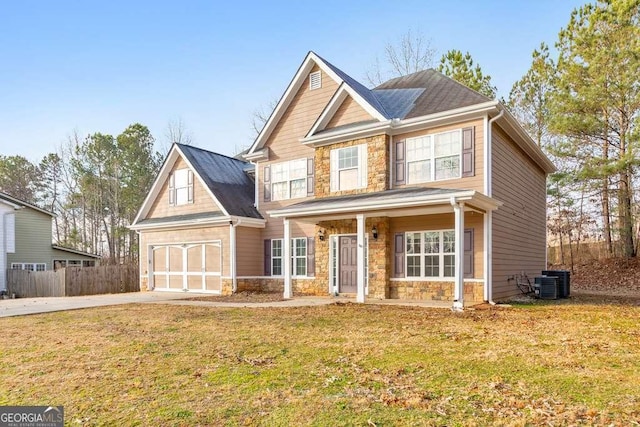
[255, 184]
[232, 238]
[488, 289]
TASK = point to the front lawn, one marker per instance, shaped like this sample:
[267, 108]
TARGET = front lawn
[558, 363]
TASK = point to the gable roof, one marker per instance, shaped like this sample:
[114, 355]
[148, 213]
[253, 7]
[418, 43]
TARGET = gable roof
[224, 178]
[17, 203]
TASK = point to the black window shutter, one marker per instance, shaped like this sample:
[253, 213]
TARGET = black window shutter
[310, 175]
[400, 174]
[311, 256]
[399, 255]
[267, 257]
[468, 152]
[468, 252]
[267, 183]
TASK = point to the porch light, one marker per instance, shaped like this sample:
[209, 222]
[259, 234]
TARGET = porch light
[321, 234]
[374, 232]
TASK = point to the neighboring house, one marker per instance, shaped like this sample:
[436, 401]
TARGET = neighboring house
[25, 240]
[418, 189]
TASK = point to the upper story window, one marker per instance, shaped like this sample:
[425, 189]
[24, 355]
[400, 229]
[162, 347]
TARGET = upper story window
[315, 80]
[349, 168]
[289, 180]
[181, 187]
[445, 155]
[434, 157]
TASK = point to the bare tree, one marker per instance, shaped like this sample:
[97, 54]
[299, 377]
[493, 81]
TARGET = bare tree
[260, 116]
[413, 52]
[176, 131]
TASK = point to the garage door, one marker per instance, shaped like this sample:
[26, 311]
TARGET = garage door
[187, 267]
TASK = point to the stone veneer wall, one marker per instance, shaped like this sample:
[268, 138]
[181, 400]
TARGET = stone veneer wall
[308, 286]
[377, 166]
[436, 291]
[379, 253]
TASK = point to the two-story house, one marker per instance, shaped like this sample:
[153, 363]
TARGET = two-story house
[25, 240]
[420, 188]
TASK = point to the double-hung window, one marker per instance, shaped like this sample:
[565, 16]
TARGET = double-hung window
[276, 257]
[430, 253]
[181, 187]
[289, 180]
[349, 168]
[434, 157]
[298, 257]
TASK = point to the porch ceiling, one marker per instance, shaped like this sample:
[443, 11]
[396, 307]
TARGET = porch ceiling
[391, 203]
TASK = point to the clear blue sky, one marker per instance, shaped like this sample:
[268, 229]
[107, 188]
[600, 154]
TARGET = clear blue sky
[99, 66]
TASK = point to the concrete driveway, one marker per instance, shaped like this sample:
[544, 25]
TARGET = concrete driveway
[23, 306]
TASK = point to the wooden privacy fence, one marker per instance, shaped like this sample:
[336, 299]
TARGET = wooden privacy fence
[74, 281]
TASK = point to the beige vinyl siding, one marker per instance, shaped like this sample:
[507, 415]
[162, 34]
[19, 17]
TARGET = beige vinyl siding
[202, 201]
[472, 220]
[249, 250]
[519, 225]
[475, 182]
[348, 112]
[284, 142]
[189, 235]
[275, 229]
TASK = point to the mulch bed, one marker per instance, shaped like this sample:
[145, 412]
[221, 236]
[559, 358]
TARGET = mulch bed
[250, 297]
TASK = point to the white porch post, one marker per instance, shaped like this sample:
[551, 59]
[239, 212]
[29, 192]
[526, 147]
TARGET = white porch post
[487, 262]
[286, 261]
[360, 258]
[458, 294]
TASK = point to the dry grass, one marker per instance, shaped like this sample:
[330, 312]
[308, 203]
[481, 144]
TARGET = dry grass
[559, 363]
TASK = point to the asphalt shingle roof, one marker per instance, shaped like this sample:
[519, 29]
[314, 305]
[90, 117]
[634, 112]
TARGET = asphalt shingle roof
[226, 178]
[440, 93]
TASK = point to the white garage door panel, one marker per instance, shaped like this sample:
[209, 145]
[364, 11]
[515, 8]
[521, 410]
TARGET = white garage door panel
[187, 267]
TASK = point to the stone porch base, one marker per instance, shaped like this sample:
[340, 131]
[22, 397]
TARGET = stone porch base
[397, 289]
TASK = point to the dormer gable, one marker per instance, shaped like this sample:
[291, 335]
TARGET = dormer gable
[314, 69]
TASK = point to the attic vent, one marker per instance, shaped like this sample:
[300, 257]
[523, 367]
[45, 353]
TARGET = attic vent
[315, 80]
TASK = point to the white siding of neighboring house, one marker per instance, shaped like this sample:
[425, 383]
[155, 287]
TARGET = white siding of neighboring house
[7, 240]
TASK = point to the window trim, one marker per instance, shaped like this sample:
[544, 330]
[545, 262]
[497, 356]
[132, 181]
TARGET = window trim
[289, 164]
[361, 168]
[34, 266]
[422, 254]
[280, 257]
[174, 188]
[295, 257]
[432, 159]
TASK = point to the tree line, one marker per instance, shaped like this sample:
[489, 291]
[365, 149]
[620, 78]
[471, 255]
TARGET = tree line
[94, 185]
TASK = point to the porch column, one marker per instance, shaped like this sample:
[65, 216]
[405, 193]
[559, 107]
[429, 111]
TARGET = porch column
[286, 259]
[487, 262]
[360, 259]
[458, 293]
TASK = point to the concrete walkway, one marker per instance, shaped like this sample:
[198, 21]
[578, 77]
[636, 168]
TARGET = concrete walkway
[25, 306]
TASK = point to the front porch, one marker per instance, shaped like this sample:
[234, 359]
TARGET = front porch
[399, 244]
